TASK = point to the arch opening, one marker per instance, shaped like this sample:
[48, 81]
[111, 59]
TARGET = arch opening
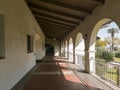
[79, 51]
[49, 50]
[104, 50]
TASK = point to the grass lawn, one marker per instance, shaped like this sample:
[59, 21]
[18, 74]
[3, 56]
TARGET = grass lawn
[116, 59]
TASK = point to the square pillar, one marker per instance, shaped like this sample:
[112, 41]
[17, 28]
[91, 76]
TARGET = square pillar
[87, 61]
[90, 61]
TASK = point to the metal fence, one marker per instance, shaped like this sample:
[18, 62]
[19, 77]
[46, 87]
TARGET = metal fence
[109, 71]
[71, 56]
[80, 60]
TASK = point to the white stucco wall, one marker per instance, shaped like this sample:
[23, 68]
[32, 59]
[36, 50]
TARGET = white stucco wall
[18, 22]
[39, 46]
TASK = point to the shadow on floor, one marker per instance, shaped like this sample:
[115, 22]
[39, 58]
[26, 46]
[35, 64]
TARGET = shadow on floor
[54, 74]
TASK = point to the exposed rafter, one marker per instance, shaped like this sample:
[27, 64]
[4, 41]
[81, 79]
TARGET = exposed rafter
[55, 24]
[57, 18]
[54, 27]
[100, 1]
[54, 17]
[50, 30]
[55, 11]
[53, 14]
[72, 26]
[52, 35]
[84, 10]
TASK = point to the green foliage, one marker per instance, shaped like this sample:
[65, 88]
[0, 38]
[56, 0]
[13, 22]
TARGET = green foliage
[107, 56]
[115, 48]
[100, 43]
[113, 30]
[117, 54]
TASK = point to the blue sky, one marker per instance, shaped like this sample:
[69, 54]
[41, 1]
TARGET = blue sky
[102, 33]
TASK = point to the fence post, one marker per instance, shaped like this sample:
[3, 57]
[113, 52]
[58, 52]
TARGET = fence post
[118, 77]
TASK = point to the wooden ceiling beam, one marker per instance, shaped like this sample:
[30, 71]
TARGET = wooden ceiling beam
[55, 11]
[72, 26]
[99, 1]
[54, 24]
[55, 20]
[56, 28]
[60, 4]
[54, 14]
[56, 31]
[53, 35]
[55, 17]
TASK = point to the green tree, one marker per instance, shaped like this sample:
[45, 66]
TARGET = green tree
[100, 43]
[112, 31]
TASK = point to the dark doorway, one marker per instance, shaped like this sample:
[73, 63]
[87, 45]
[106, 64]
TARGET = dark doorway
[49, 50]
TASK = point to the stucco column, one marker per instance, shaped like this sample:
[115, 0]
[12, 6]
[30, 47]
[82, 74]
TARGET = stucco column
[90, 61]
[64, 51]
[87, 63]
[60, 50]
[68, 51]
[73, 53]
[92, 58]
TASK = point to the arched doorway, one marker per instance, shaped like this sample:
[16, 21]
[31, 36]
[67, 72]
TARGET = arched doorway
[79, 51]
[71, 49]
[49, 50]
[107, 47]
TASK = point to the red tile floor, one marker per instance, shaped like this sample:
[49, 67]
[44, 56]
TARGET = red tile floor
[56, 73]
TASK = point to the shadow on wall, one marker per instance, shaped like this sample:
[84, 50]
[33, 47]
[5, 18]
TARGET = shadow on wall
[49, 50]
[2, 37]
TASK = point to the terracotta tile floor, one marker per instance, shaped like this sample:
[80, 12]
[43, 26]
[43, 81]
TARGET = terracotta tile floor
[56, 74]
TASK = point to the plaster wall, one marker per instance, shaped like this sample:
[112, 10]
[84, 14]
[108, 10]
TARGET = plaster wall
[18, 22]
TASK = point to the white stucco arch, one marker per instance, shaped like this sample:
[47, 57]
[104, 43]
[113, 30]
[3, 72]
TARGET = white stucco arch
[93, 41]
[96, 29]
[79, 50]
[102, 14]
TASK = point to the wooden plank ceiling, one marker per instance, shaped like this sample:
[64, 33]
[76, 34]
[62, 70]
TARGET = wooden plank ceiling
[57, 18]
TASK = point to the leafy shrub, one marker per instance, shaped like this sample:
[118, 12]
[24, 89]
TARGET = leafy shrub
[108, 56]
[117, 54]
[115, 48]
